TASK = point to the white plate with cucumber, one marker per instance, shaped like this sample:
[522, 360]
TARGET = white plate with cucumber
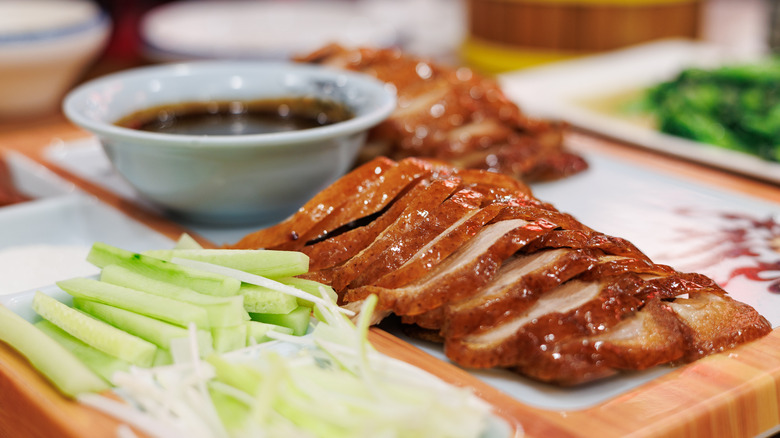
[171, 333]
[47, 239]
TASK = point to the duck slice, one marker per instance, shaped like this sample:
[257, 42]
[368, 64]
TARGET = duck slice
[439, 248]
[648, 337]
[400, 236]
[404, 240]
[369, 200]
[520, 281]
[715, 322]
[338, 248]
[459, 275]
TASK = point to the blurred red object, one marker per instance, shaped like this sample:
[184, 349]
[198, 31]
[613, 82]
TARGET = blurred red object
[125, 43]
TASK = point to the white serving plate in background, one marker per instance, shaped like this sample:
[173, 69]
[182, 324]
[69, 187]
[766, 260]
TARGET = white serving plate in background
[556, 90]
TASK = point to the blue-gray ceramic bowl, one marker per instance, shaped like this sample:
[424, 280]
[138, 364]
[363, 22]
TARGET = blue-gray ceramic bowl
[229, 179]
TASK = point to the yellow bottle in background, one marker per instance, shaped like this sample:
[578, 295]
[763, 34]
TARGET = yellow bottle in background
[506, 35]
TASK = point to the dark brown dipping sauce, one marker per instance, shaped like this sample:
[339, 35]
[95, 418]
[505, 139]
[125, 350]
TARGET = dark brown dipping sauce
[238, 117]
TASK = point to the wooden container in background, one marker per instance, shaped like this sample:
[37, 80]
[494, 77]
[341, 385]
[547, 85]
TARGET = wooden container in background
[511, 34]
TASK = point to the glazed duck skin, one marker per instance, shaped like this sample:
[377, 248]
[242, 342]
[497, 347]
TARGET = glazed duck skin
[397, 248]
[392, 243]
[505, 280]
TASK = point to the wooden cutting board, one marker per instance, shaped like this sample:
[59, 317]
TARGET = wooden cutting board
[734, 394]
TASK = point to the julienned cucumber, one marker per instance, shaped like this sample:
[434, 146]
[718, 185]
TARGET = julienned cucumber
[268, 263]
[102, 255]
[95, 333]
[101, 363]
[222, 311]
[166, 309]
[54, 361]
[157, 332]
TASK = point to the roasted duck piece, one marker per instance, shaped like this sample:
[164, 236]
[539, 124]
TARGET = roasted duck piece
[456, 115]
[503, 279]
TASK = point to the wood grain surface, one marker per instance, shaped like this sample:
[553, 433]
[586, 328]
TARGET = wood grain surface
[734, 394]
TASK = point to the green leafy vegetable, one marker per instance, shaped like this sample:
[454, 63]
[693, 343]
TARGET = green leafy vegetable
[735, 107]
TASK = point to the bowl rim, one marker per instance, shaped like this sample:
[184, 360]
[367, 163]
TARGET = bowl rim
[99, 19]
[75, 100]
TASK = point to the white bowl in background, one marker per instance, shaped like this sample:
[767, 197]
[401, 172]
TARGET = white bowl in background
[266, 30]
[45, 46]
[229, 179]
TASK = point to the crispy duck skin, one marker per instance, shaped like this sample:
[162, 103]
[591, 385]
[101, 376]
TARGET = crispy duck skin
[439, 248]
[456, 115]
[376, 183]
[520, 280]
[465, 271]
[505, 280]
[337, 249]
[391, 244]
[398, 248]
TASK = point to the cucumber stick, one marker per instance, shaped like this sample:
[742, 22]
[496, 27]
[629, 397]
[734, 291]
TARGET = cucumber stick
[222, 311]
[162, 358]
[311, 287]
[298, 320]
[102, 255]
[95, 333]
[166, 309]
[51, 359]
[257, 332]
[229, 338]
[101, 363]
[268, 263]
[259, 299]
[157, 332]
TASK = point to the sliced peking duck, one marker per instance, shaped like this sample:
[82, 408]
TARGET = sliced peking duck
[455, 115]
[472, 259]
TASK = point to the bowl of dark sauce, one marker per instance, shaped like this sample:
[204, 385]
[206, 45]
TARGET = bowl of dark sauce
[230, 142]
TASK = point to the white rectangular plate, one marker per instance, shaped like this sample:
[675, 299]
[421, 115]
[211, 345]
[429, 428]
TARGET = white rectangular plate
[556, 90]
[666, 217]
[65, 225]
[33, 179]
